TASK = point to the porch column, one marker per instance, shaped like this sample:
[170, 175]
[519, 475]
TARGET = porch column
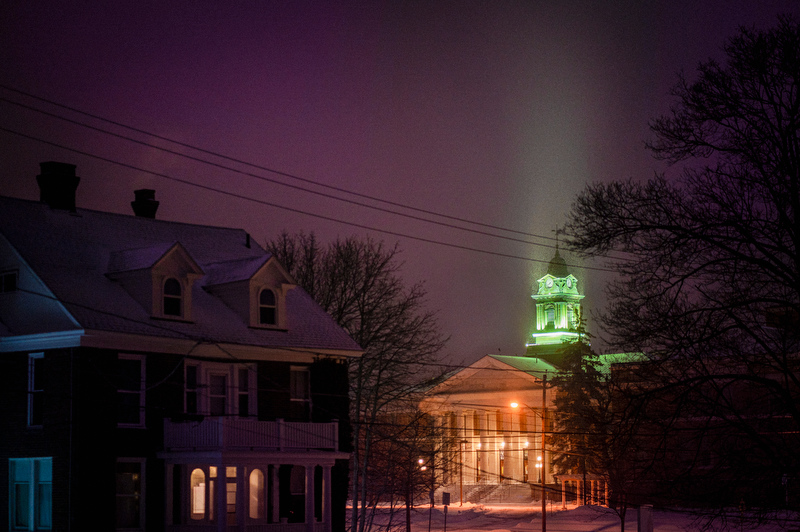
[274, 481]
[220, 499]
[170, 492]
[327, 516]
[242, 491]
[606, 492]
[563, 494]
[310, 498]
[580, 486]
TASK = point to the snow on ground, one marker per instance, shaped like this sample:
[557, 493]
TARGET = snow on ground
[524, 518]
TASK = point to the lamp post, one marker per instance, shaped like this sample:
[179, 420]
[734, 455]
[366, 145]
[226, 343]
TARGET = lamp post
[541, 460]
[544, 428]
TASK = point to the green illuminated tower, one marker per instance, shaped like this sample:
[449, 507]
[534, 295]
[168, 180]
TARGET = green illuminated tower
[558, 311]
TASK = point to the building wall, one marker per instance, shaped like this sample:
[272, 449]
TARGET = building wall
[80, 431]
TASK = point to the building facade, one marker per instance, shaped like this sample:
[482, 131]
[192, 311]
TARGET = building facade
[162, 376]
[497, 415]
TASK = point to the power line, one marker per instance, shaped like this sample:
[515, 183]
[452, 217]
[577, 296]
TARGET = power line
[275, 181]
[283, 207]
[264, 168]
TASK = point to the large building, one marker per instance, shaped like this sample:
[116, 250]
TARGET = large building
[162, 376]
[497, 414]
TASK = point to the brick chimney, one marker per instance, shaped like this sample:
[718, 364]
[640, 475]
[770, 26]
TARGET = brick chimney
[145, 204]
[57, 185]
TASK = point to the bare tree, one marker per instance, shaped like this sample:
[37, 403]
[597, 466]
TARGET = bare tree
[709, 277]
[357, 282]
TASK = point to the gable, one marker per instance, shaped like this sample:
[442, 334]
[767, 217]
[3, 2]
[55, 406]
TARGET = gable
[31, 308]
[489, 374]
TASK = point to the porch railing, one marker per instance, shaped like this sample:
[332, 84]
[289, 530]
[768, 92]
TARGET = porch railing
[229, 433]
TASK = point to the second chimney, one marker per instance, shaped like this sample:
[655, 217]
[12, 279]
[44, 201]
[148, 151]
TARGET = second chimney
[57, 185]
[145, 204]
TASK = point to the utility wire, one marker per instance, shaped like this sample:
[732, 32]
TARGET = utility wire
[264, 168]
[274, 181]
[283, 207]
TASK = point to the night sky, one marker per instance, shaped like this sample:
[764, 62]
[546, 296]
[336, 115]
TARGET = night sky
[493, 112]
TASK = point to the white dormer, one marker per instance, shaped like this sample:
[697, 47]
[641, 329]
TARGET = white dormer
[160, 278]
[254, 288]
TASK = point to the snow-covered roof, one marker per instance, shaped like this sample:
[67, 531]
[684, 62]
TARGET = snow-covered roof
[530, 365]
[74, 253]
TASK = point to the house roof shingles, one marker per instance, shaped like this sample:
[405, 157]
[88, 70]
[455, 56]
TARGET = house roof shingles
[72, 253]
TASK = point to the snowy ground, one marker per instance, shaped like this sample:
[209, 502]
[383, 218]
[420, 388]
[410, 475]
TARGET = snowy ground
[523, 518]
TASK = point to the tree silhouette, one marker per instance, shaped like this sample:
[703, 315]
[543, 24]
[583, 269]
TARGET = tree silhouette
[357, 282]
[709, 278]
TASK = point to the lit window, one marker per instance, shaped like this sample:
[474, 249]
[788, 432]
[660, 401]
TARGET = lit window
[173, 297]
[197, 484]
[130, 391]
[35, 390]
[130, 500]
[8, 281]
[30, 501]
[267, 308]
[257, 495]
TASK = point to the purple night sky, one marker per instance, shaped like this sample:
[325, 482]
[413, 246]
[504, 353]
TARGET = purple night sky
[496, 112]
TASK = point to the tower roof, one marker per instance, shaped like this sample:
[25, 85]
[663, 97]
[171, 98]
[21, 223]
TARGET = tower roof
[557, 266]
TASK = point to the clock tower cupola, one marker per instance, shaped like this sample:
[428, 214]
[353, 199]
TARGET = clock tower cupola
[558, 311]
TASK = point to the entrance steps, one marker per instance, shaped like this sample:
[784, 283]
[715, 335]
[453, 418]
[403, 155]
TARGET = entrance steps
[508, 492]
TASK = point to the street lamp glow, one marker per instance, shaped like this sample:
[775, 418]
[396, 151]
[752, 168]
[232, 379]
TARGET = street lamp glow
[514, 404]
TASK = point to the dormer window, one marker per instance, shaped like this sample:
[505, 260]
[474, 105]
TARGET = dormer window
[173, 297]
[267, 307]
[158, 277]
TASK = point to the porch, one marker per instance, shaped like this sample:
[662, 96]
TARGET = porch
[225, 474]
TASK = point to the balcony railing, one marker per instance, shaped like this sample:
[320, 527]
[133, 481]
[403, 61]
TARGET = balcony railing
[230, 433]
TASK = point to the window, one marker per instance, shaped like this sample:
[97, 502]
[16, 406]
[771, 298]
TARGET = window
[8, 281]
[550, 314]
[173, 298]
[244, 392]
[217, 394]
[35, 389]
[230, 494]
[191, 389]
[130, 499]
[219, 389]
[267, 308]
[257, 495]
[30, 501]
[197, 487]
[299, 389]
[130, 391]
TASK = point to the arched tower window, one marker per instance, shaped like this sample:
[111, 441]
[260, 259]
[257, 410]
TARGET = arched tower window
[267, 307]
[173, 297]
[550, 317]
